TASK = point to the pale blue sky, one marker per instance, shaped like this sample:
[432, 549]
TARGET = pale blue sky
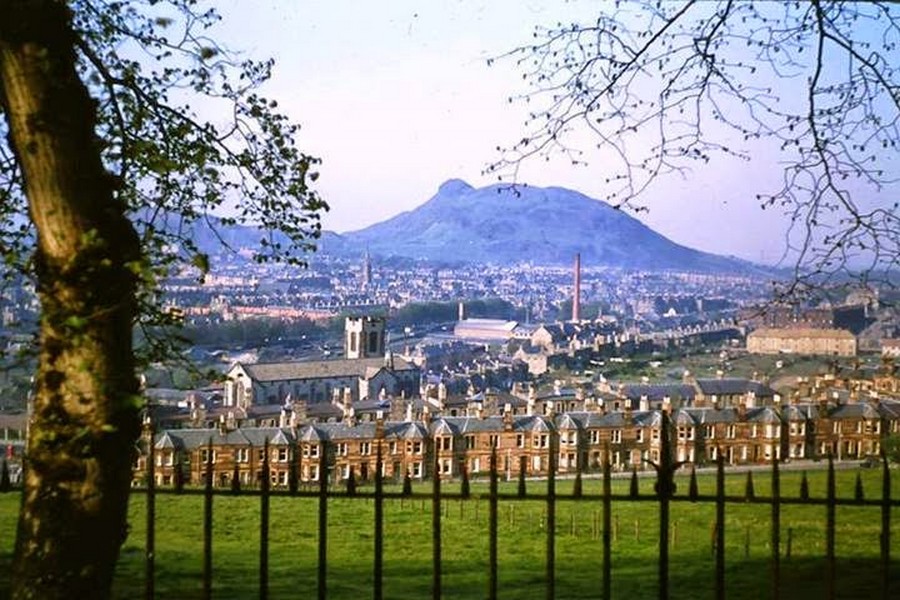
[396, 97]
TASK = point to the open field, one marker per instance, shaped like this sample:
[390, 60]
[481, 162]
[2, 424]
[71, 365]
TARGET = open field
[522, 543]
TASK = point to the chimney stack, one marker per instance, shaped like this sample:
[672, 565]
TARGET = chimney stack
[576, 299]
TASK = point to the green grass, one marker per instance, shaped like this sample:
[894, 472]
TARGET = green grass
[522, 544]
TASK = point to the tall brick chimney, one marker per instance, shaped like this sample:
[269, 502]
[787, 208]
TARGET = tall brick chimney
[576, 299]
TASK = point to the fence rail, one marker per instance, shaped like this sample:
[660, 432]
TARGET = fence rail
[664, 495]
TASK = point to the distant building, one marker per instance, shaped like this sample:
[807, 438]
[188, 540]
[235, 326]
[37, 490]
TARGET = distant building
[485, 329]
[829, 342]
[319, 381]
[366, 372]
[364, 337]
[890, 347]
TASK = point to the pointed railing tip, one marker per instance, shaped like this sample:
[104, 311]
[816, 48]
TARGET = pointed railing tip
[804, 487]
[693, 492]
[634, 490]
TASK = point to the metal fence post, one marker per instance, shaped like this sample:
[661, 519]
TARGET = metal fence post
[207, 523]
[607, 521]
[776, 530]
[830, 502]
[720, 525]
[436, 528]
[492, 528]
[264, 525]
[551, 515]
[885, 527]
[379, 525]
[322, 574]
[150, 550]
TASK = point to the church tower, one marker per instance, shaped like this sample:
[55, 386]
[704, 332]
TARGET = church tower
[366, 270]
[364, 337]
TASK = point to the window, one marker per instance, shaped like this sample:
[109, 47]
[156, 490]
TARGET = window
[685, 432]
[417, 469]
[417, 447]
[314, 451]
[470, 442]
[494, 441]
[282, 455]
[243, 455]
[730, 432]
[595, 436]
[654, 434]
[314, 472]
[341, 449]
[836, 427]
[392, 447]
[520, 441]
[616, 436]
[639, 436]
[365, 448]
[710, 432]
[446, 466]
[205, 456]
[540, 441]
[445, 442]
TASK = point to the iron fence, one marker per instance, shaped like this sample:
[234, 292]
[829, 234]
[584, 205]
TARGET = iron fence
[663, 495]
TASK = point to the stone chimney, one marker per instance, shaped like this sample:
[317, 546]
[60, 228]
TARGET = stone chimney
[442, 395]
[379, 425]
[298, 413]
[507, 417]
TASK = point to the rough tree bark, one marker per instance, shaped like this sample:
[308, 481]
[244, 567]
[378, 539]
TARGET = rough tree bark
[85, 413]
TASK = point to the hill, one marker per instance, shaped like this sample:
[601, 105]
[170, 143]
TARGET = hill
[503, 225]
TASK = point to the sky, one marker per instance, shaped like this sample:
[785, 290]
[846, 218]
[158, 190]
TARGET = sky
[396, 97]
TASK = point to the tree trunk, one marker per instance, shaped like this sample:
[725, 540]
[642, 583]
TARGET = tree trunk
[85, 409]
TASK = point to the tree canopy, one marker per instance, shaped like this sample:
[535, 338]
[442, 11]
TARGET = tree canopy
[652, 89]
[185, 133]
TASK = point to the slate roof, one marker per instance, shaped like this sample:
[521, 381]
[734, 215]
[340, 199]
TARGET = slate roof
[658, 391]
[191, 439]
[800, 412]
[855, 411]
[733, 387]
[800, 333]
[762, 414]
[320, 369]
[710, 416]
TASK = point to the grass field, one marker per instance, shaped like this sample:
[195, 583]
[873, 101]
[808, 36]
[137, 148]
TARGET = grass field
[522, 544]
